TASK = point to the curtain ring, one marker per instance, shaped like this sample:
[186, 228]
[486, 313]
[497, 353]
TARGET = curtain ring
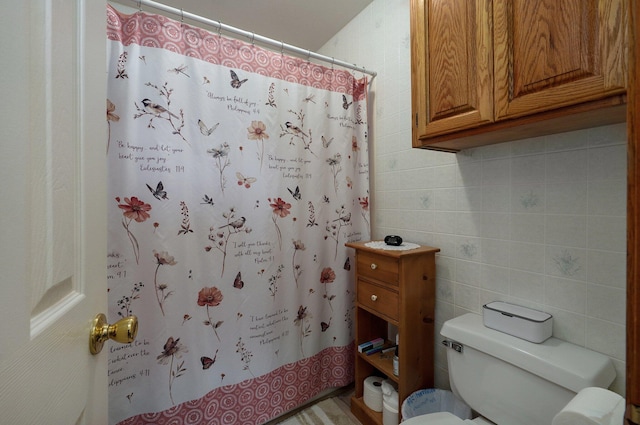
[333, 62]
[219, 29]
[181, 16]
[308, 55]
[253, 38]
[139, 5]
[281, 48]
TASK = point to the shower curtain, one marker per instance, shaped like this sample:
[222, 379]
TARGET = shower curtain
[236, 175]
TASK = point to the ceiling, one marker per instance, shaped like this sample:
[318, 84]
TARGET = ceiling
[307, 24]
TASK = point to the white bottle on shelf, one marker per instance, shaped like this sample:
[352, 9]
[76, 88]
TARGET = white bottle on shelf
[395, 359]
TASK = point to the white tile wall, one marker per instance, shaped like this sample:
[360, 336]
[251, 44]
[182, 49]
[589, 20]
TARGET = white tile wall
[539, 222]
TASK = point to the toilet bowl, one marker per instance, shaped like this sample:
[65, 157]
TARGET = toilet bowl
[510, 381]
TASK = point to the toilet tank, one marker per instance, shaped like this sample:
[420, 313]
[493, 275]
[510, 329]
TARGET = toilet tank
[511, 381]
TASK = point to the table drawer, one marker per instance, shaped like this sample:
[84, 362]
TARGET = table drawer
[378, 299]
[378, 267]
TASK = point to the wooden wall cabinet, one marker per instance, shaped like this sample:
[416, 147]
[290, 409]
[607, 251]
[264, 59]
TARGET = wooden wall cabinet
[398, 288]
[485, 71]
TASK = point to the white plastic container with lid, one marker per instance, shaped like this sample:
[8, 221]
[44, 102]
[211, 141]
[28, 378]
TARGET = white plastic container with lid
[522, 322]
[390, 412]
[389, 403]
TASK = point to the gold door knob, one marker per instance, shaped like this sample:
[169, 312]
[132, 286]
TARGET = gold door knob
[123, 331]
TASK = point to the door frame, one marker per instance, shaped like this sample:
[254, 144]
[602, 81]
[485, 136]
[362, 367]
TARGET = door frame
[633, 220]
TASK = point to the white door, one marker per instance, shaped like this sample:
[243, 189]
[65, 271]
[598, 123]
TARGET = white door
[52, 211]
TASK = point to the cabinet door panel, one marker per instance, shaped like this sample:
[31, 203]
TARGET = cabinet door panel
[554, 53]
[451, 65]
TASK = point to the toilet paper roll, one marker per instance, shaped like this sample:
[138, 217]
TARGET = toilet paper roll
[592, 406]
[372, 394]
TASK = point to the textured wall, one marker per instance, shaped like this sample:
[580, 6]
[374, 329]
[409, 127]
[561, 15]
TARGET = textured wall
[538, 222]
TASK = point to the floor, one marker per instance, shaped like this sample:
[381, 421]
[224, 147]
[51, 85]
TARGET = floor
[345, 401]
[342, 396]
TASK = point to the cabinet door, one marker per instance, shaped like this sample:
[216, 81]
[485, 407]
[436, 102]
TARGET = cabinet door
[451, 65]
[554, 53]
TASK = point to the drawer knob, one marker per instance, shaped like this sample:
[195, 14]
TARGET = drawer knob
[374, 266]
[374, 297]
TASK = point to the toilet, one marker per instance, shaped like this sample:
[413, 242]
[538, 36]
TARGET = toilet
[511, 381]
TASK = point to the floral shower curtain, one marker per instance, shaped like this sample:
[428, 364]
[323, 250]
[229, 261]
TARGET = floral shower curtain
[236, 175]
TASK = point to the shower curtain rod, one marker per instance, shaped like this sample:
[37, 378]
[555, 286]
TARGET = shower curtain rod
[253, 37]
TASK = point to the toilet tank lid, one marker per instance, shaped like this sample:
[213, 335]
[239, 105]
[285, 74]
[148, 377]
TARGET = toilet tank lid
[560, 362]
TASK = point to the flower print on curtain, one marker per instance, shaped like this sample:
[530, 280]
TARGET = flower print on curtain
[238, 175]
[134, 210]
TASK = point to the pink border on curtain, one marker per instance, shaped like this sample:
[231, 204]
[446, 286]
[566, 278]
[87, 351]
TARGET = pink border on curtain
[161, 32]
[259, 400]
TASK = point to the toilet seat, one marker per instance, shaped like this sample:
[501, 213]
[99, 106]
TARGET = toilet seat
[440, 418]
[444, 418]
